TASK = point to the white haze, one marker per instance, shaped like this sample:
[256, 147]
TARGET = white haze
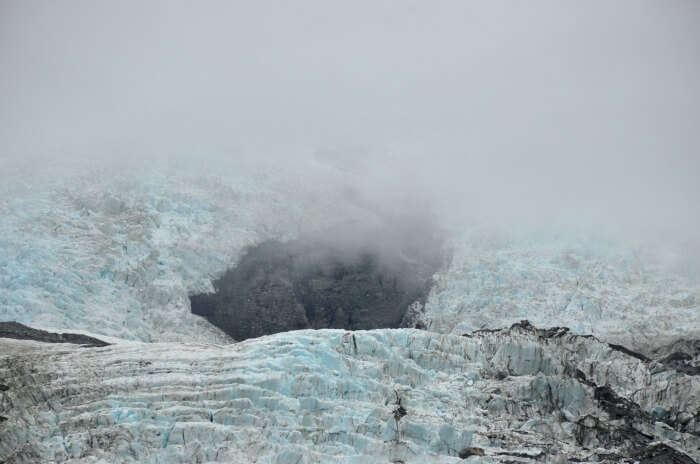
[521, 114]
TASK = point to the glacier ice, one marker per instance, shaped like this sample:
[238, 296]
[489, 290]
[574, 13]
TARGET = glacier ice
[623, 293]
[328, 396]
[118, 255]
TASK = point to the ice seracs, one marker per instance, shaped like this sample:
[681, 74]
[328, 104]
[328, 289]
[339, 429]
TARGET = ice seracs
[115, 257]
[630, 294]
[520, 394]
[118, 255]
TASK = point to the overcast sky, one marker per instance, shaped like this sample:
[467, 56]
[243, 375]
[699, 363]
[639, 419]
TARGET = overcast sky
[512, 109]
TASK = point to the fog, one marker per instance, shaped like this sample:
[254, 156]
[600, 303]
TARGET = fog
[521, 114]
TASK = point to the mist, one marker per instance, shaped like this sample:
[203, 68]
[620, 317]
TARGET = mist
[521, 115]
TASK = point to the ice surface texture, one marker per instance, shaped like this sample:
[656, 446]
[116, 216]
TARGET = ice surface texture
[118, 256]
[519, 394]
[626, 293]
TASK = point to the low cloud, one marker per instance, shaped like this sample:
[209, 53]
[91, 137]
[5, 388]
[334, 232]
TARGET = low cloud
[523, 116]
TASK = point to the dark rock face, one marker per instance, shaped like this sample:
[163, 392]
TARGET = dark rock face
[681, 362]
[22, 332]
[662, 454]
[683, 356]
[620, 430]
[472, 451]
[628, 352]
[355, 282]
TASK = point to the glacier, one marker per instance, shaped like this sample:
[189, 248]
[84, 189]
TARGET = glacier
[630, 294]
[115, 256]
[118, 254]
[518, 395]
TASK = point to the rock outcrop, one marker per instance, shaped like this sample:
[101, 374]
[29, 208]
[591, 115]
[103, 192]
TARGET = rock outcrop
[22, 332]
[316, 282]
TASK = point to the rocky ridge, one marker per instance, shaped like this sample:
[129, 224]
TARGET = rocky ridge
[22, 332]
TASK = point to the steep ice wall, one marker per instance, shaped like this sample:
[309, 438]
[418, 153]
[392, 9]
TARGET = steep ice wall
[513, 395]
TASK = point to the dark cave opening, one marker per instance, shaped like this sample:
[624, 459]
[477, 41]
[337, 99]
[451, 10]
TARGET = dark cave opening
[351, 278]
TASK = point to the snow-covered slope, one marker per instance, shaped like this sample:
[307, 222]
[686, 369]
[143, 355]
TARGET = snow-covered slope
[515, 395]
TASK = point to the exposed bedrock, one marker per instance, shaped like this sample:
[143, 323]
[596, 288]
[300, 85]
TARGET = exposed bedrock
[350, 277]
[22, 332]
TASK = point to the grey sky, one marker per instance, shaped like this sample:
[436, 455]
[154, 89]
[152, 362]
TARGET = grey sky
[524, 111]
